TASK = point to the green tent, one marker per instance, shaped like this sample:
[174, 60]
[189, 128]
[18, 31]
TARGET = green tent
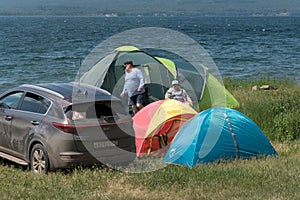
[214, 93]
[204, 89]
[108, 72]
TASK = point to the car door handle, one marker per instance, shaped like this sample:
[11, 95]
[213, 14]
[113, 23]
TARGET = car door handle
[35, 123]
[8, 118]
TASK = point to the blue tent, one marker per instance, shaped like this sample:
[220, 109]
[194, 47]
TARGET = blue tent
[216, 134]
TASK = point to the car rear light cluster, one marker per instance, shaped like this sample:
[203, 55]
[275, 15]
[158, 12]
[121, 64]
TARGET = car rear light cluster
[67, 128]
[75, 128]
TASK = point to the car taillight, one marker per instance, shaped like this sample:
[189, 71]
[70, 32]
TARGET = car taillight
[67, 128]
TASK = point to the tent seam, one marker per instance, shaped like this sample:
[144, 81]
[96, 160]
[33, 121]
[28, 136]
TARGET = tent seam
[233, 136]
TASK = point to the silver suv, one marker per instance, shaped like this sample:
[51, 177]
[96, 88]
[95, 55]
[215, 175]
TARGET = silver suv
[63, 125]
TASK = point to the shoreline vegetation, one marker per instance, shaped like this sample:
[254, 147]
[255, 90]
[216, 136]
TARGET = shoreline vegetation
[276, 112]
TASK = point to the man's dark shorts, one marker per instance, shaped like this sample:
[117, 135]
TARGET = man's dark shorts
[139, 98]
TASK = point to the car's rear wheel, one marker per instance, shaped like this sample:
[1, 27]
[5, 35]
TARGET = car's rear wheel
[39, 160]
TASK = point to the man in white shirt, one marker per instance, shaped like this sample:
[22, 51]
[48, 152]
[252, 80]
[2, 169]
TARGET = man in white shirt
[134, 87]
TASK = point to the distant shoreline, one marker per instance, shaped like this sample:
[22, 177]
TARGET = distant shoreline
[101, 16]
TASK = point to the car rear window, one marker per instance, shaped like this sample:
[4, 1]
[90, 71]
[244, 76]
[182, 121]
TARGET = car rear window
[103, 111]
[35, 103]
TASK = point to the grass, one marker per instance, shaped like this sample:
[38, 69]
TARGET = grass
[276, 112]
[265, 178]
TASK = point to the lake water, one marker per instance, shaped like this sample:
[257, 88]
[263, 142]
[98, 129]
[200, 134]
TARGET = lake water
[49, 49]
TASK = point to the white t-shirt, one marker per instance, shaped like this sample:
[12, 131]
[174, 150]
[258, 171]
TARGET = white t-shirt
[133, 81]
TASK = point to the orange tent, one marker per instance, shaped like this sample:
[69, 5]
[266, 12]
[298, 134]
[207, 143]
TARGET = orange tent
[156, 125]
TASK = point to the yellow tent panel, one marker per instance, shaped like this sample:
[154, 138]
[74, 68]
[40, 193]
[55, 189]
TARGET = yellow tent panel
[169, 64]
[168, 109]
[127, 48]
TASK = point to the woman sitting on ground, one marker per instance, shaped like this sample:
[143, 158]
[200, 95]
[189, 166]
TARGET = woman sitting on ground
[178, 93]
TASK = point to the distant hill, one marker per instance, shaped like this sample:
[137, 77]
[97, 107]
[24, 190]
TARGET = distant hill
[150, 7]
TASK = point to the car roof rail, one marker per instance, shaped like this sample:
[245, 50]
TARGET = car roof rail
[43, 89]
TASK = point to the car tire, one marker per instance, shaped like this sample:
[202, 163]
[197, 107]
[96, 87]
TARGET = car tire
[39, 160]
